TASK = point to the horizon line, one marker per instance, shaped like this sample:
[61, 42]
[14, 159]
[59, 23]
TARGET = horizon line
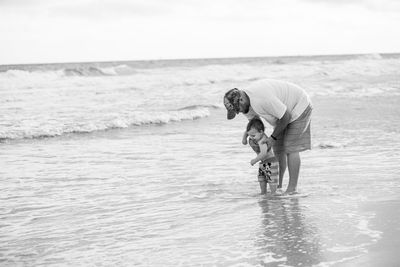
[204, 58]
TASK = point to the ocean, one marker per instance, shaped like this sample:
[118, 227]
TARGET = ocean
[135, 164]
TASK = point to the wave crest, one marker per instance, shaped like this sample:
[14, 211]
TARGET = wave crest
[84, 71]
[136, 119]
[329, 145]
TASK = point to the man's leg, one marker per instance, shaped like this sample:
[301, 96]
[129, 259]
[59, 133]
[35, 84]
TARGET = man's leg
[282, 167]
[294, 169]
[297, 138]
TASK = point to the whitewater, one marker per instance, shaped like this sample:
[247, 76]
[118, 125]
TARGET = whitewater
[43, 101]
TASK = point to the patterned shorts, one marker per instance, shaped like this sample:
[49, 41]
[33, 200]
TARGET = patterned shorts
[268, 172]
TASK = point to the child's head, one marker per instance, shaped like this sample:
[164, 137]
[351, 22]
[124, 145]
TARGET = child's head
[255, 129]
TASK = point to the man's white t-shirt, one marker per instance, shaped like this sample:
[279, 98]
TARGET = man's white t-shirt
[271, 98]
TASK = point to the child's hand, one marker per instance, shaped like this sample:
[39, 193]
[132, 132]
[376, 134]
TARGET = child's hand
[252, 162]
[244, 140]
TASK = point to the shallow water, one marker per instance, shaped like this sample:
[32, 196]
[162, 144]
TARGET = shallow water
[184, 194]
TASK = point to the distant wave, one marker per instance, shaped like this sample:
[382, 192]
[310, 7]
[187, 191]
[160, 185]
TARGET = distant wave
[278, 62]
[97, 71]
[70, 71]
[137, 119]
[29, 75]
[370, 56]
[81, 71]
[194, 107]
[329, 145]
[354, 76]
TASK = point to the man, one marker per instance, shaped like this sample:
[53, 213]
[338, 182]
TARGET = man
[285, 106]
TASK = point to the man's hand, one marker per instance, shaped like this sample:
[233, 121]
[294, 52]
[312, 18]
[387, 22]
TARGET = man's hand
[252, 162]
[270, 142]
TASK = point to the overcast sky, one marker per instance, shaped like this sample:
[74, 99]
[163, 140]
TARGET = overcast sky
[38, 31]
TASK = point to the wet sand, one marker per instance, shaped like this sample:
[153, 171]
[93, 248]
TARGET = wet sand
[385, 252]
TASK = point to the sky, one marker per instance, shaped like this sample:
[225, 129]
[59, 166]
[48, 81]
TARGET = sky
[49, 31]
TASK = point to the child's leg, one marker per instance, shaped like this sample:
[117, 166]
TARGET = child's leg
[273, 176]
[262, 179]
[263, 187]
[273, 188]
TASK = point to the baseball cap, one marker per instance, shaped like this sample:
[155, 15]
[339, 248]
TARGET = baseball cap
[231, 102]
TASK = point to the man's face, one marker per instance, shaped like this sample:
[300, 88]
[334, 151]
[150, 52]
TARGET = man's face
[244, 104]
[236, 101]
[232, 106]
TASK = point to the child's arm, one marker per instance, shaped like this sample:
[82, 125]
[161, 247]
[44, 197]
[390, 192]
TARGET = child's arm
[262, 155]
[244, 139]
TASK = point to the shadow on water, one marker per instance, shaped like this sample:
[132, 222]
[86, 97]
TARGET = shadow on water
[285, 236]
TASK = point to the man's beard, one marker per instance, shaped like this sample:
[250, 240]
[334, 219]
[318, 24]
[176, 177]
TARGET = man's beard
[246, 109]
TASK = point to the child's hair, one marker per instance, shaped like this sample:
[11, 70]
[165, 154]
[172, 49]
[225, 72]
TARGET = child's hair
[255, 123]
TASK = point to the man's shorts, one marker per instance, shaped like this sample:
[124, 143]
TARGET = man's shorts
[297, 135]
[268, 172]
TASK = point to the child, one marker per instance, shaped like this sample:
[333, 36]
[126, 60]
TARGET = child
[268, 166]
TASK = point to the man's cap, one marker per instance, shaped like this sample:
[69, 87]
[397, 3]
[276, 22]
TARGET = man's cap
[231, 102]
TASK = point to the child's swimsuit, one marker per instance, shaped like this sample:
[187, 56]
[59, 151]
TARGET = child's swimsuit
[268, 171]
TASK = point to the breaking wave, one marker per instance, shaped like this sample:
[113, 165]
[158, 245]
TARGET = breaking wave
[88, 71]
[102, 124]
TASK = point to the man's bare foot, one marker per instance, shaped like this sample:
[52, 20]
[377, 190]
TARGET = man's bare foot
[278, 191]
[291, 192]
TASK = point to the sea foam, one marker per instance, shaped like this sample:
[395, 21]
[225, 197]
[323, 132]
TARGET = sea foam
[51, 100]
[45, 130]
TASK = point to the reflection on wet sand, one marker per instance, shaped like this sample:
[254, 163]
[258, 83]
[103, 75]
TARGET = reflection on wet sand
[285, 236]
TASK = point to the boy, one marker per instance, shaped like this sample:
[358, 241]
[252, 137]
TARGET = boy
[268, 166]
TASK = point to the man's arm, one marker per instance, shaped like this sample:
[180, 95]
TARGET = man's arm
[281, 123]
